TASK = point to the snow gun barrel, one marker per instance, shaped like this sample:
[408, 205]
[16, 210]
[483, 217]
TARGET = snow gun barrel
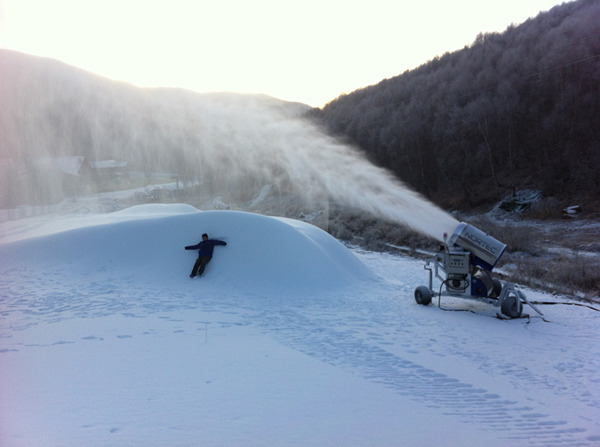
[486, 250]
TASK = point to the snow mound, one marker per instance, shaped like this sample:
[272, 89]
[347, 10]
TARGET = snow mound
[155, 210]
[147, 243]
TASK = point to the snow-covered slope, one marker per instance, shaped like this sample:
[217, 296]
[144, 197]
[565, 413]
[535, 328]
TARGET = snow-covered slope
[289, 339]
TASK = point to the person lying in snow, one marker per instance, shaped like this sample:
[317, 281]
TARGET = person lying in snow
[205, 252]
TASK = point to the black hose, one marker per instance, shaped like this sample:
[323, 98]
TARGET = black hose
[566, 304]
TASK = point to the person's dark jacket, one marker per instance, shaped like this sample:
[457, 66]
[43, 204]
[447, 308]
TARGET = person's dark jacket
[205, 248]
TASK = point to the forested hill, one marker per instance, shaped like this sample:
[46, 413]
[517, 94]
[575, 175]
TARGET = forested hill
[518, 109]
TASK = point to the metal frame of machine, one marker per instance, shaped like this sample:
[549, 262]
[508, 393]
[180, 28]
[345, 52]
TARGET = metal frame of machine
[466, 261]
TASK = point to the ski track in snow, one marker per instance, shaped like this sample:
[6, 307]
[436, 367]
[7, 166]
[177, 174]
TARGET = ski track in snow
[341, 348]
[361, 336]
[378, 334]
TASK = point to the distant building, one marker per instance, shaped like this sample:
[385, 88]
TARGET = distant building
[48, 180]
[108, 165]
[108, 173]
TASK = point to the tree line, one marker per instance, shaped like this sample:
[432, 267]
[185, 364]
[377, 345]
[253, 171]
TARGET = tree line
[513, 110]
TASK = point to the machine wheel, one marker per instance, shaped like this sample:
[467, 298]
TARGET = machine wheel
[423, 295]
[511, 306]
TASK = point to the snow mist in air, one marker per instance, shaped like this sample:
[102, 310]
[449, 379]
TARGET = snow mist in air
[260, 140]
[221, 144]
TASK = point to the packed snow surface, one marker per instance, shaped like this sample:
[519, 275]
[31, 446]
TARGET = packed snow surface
[289, 339]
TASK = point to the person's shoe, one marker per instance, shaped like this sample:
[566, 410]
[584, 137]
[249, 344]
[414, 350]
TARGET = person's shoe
[191, 276]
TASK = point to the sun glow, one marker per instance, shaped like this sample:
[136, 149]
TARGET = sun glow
[308, 52]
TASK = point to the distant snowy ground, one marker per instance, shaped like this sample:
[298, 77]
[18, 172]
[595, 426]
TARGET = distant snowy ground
[290, 339]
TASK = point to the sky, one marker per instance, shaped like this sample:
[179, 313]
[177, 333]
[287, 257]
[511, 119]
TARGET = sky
[309, 51]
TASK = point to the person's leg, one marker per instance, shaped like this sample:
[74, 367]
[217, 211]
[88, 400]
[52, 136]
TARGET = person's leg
[203, 261]
[196, 267]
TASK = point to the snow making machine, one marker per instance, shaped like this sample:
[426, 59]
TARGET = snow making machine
[464, 267]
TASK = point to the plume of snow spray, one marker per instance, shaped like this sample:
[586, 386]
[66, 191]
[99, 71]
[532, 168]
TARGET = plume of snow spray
[237, 142]
[265, 138]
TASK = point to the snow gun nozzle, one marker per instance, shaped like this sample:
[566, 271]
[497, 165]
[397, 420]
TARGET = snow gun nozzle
[486, 250]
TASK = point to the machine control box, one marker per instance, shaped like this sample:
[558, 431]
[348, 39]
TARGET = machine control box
[458, 262]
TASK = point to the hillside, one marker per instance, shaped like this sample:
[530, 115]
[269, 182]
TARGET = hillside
[512, 111]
